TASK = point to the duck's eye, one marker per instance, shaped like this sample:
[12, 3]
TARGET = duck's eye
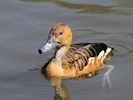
[61, 33]
[58, 42]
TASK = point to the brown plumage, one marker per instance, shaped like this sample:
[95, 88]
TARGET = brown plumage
[72, 60]
[78, 55]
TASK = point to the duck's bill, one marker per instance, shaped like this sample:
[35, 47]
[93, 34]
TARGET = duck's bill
[48, 46]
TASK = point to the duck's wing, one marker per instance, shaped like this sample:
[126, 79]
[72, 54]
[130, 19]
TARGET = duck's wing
[78, 55]
[73, 48]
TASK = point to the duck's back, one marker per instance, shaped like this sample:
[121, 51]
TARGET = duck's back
[79, 55]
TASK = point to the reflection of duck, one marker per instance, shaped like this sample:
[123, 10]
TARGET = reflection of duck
[73, 60]
[61, 92]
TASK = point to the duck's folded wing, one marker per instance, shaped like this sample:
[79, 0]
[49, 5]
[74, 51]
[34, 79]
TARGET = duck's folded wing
[79, 54]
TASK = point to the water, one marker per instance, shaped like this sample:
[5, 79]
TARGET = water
[24, 26]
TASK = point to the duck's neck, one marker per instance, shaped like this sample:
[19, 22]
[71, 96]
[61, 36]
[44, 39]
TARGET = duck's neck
[61, 52]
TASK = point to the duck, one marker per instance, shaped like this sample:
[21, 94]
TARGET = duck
[72, 60]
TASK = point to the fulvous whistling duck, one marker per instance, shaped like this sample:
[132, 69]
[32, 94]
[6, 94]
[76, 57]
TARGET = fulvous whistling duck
[73, 60]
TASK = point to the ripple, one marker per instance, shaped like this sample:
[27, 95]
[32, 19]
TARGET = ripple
[85, 8]
[121, 49]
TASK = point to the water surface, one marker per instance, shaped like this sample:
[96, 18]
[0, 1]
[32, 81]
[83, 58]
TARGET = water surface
[24, 27]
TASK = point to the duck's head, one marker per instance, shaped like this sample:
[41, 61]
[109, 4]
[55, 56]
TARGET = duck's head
[60, 35]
